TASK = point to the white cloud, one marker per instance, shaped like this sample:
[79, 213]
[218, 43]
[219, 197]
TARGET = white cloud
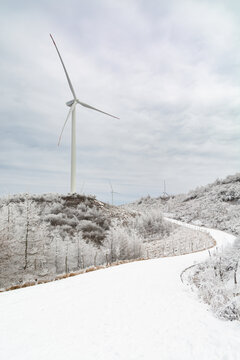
[168, 70]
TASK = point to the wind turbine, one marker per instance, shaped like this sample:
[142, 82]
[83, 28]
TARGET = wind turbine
[112, 192]
[164, 194]
[72, 104]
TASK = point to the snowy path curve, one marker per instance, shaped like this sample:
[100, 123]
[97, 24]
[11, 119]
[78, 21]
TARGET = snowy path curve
[138, 310]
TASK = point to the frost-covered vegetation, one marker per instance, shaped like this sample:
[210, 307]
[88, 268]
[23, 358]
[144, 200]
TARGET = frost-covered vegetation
[48, 235]
[181, 241]
[216, 205]
[217, 281]
[41, 236]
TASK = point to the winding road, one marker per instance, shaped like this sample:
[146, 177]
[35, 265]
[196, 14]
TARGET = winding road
[139, 310]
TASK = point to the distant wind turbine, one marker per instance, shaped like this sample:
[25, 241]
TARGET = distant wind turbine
[164, 194]
[72, 104]
[112, 192]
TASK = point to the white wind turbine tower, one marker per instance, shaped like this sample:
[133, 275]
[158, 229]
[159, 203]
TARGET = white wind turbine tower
[112, 192]
[72, 104]
[164, 194]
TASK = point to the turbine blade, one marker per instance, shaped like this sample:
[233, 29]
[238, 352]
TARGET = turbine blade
[65, 70]
[93, 108]
[69, 113]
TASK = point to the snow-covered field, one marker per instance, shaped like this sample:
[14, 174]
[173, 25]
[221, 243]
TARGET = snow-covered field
[138, 310]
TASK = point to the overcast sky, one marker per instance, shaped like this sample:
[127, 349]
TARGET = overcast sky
[169, 69]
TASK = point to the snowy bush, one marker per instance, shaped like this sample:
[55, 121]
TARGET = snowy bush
[217, 281]
[92, 231]
[151, 222]
[123, 243]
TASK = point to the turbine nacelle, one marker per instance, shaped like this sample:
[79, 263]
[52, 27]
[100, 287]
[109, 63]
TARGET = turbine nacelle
[70, 102]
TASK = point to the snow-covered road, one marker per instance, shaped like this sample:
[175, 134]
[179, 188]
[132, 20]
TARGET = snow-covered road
[138, 311]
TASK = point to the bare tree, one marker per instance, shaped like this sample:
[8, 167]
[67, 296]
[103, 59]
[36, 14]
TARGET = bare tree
[27, 233]
[235, 273]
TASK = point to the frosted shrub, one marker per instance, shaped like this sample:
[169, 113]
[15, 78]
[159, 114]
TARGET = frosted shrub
[218, 282]
[73, 216]
[230, 310]
[60, 220]
[123, 243]
[92, 231]
[151, 222]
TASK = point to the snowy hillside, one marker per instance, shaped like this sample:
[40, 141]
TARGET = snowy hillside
[45, 236]
[216, 205]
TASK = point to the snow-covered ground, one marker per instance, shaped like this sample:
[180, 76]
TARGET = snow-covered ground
[139, 310]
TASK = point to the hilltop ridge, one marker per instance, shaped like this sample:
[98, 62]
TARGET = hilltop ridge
[215, 205]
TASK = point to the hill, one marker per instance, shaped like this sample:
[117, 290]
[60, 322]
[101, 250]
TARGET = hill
[46, 236]
[215, 205]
